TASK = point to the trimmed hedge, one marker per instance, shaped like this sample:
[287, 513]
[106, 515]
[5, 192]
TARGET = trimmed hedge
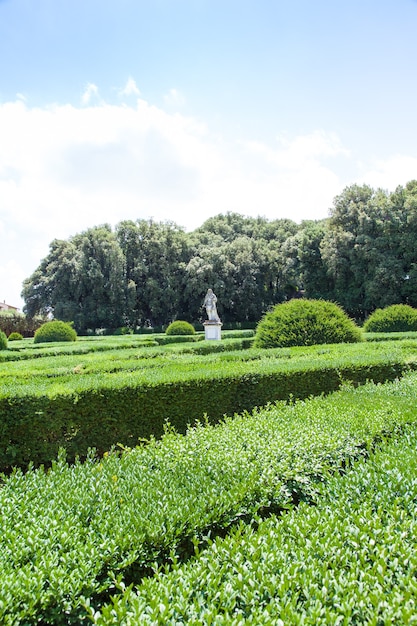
[395, 318]
[164, 340]
[352, 559]
[390, 336]
[180, 327]
[305, 323]
[15, 337]
[78, 412]
[3, 340]
[55, 331]
[70, 533]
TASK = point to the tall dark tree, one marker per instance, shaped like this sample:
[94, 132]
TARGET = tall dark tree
[232, 270]
[49, 291]
[100, 292]
[156, 254]
[81, 280]
[305, 270]
[362, 249]
[363, 257]
[403, 204]
[241, 259]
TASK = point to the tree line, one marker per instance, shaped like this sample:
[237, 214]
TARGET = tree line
[363, 256]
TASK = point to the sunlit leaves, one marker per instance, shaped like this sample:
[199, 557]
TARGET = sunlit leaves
[349, 560]
[69, 533]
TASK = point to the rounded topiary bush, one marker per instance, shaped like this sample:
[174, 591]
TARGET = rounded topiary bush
[3, 340]
[55, 331]
[395, 318]
[179, 327]
[15, 336]
[305, 323]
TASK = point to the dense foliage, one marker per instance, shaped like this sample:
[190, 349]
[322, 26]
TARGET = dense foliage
[3, 340]
[180, 327]
[349, 560]
[15, 337]
[72, 534]
[305, 323]
[55, 330]
[105, 391]
[395, 318]
[148, 273]
[14, 321]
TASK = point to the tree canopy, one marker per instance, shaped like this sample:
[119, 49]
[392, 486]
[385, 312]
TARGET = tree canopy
[362, 256]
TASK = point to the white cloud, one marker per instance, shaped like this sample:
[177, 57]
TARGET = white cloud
[12, 275]
[174, 98]
[64, 169]
[130, 89]
[389, 173]
[90, 93]
[291, 152]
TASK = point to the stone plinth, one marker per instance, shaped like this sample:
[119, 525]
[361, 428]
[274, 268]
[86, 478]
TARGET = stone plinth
[213, 330]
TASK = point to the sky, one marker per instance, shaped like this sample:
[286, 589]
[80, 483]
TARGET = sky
[179, 110]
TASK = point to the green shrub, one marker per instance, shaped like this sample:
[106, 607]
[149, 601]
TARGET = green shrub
[75, 532]
[305, 323]
[395, 318]
[179, 327]
[364, 524]
[55, 331]
[3, 340]
[42, 411]
[123, 330]
[15, 337]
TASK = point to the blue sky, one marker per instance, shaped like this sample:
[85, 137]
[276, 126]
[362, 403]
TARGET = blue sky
[182, 109]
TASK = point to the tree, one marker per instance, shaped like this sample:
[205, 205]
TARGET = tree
[81, 280]
[15, 322]
[361, 250]
[155, 255]
[49, 291]
[241, 260]
[100, 291]
[363, 257]
[405, 201]
[305, 269]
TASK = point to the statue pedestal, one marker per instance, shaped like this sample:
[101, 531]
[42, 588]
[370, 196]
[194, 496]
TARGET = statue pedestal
[212, 330]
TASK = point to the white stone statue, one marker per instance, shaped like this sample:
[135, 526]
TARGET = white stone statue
[210, 304]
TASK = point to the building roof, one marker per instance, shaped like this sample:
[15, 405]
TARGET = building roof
[7, 307]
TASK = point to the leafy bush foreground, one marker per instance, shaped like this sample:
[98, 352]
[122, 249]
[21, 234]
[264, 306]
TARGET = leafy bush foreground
[305, 323]
[352, 559]
[69, 535]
